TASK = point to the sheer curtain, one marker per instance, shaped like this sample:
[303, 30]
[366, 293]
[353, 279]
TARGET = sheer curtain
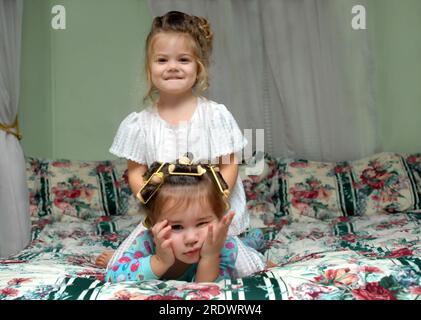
[14, 202]
[294, 68]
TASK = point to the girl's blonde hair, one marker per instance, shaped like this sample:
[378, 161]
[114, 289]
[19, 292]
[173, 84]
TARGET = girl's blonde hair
[198, 28]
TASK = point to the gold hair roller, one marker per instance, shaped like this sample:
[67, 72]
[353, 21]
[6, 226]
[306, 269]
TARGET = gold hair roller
[157, 179]
[182, 170]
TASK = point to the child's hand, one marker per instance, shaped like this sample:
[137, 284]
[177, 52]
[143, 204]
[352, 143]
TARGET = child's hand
[164, 252]
[217, 234]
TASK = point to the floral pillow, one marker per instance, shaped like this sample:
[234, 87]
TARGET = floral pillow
[413, 166]
[386, 182]
[382, 183]
[260, 181]
[274, 187]
[132, 204]
[81, 188]
[32, 181]
[315, 189]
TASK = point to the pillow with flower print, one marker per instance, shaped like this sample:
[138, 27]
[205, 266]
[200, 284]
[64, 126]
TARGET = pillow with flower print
[81, 188]
[260, 181]
[131, 204]
[32, 181]
[317, 189]
[413, 164]
[385, 183]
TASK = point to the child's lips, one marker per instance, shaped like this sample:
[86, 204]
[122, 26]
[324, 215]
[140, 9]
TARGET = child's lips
[192, 252]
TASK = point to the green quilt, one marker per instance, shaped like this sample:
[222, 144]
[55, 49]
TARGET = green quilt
[375, 257]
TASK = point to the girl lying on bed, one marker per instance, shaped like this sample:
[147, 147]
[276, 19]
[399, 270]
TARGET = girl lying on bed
[187, 230]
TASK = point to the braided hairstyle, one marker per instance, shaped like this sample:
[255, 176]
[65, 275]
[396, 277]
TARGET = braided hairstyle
[198, 28]
[180, 192]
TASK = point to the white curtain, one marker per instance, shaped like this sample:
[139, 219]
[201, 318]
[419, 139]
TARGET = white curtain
[294, 68]
[14, 202]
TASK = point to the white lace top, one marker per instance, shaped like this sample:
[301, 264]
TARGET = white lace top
[212, 131]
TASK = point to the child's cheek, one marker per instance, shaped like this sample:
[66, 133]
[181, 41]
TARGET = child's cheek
[175, 238]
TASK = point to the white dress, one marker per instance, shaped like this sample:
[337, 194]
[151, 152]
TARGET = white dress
[212, 132]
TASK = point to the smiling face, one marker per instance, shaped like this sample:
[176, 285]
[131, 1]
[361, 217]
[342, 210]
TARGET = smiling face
[172, 64]
[189, 230]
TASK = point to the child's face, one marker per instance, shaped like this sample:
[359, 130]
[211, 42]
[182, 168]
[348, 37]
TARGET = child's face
[173, 66]
[189, 231]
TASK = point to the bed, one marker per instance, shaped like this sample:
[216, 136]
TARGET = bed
[333, 230]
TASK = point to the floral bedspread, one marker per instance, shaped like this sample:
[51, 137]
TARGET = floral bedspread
[366, 257]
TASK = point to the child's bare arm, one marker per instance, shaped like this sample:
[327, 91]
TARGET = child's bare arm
[135, 174]
[229, 170]
[208, 267]
[164, 257]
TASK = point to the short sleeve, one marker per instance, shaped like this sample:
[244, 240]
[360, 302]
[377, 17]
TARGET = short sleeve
[226, 136]
[135, 263]
[130, 140]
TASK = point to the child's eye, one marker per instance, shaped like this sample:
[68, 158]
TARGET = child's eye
[161, 60]
[176, 227]
[185, 60]
[202, 224]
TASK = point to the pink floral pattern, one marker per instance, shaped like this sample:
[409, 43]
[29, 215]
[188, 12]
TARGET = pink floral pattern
[331, 255]
[309, 196]
[372, 291]
[81, 189]
[382, 183]
[385, 184]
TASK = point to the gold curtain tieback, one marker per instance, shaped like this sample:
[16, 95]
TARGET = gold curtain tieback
[10, 129]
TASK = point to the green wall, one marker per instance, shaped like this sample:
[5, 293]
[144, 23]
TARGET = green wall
[35, 114]
[397, 45]
[78, 84]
